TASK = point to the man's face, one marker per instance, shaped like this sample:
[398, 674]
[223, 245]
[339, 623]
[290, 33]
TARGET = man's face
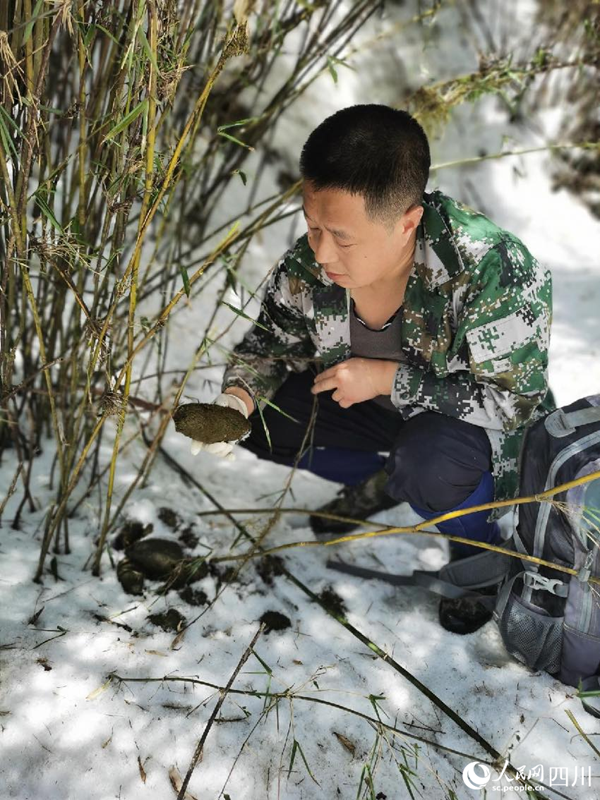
[354, 250]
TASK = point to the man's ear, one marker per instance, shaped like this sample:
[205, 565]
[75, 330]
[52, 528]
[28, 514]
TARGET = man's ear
[411, 219]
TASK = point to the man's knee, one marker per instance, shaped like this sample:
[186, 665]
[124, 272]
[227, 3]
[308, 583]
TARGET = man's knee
[437, 461]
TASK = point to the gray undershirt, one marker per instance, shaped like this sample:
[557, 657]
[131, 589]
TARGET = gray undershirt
[384, 343]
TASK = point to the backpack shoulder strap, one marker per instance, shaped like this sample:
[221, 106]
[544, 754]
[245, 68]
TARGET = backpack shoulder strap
[486, 568]
[564, 423]
[455, 580]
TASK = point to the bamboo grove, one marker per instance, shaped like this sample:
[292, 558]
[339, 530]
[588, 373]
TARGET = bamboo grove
[117, 123]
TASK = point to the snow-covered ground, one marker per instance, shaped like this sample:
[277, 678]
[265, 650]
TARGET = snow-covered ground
[68, 731]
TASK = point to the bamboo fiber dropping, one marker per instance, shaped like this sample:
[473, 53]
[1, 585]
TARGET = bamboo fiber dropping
[210, 423]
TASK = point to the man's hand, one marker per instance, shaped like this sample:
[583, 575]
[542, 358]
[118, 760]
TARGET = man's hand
[357, 380]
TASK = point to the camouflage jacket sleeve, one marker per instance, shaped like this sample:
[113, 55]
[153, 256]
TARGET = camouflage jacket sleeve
[493, 372]
[279, 339]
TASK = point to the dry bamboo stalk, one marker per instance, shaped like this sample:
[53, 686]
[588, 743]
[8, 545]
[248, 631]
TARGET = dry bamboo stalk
[222, 695]
[421, 528]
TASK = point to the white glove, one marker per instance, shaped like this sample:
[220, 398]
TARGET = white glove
[222, 449]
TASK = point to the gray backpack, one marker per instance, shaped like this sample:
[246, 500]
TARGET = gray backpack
[549, 620]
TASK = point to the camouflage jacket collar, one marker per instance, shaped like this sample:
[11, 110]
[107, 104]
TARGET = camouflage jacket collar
[437, 260]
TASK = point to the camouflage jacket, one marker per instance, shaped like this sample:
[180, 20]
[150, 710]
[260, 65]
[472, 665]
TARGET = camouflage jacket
[475, 329]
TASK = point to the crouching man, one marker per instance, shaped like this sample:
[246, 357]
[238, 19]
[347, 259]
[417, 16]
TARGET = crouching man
[403, 323]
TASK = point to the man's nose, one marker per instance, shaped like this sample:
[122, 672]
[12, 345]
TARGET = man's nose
[323, 248]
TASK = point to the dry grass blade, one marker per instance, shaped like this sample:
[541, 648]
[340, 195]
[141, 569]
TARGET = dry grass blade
[176, 783]
[582, 733]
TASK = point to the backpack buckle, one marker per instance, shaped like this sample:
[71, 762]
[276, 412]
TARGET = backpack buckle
[536, 581]
[585, 572]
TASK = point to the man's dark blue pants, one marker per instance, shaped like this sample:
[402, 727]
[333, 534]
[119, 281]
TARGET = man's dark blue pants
[436, 463]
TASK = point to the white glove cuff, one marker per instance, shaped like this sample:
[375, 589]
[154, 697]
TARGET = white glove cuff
[232, 401]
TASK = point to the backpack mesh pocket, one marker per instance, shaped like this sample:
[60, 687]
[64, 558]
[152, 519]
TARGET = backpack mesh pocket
[531, 636]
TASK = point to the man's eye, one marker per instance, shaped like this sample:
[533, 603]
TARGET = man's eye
[345, 245]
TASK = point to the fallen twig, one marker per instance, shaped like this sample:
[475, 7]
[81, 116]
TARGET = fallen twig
[275, 696]
[11, 490]
[419, 528]
[223, 694]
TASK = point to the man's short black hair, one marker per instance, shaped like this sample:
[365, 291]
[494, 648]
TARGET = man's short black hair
[376, 151]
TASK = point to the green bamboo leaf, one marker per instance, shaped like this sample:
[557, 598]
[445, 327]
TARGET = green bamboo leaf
[593, 513]
[7, 143]
[146, 45]
[52, 110]
[237, 124]
[88, 36]
[265, 426]
[76, 229]
[591, 693]
[107, 33]
[195, 565]
[126, 122]
[333, 62]
[32, 21]
[332, 70]
[407, 777]
[374, 700]
[240, 313]
[293, 756]
[264, 663]
[233, 139]
[242, 175]
[185, 278]
[267, 693]
[280, 410]
[299, 748]
[47, 212]
[5, 120]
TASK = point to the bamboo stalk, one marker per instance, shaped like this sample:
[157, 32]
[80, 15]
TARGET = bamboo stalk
[29, 74]
[79, 417]
[231, 47]
[11, 490]
[150, 148]
[53, 520]
[82, 149]
[400, 732]
[222, 695]
[518, 152]
[421, 526]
